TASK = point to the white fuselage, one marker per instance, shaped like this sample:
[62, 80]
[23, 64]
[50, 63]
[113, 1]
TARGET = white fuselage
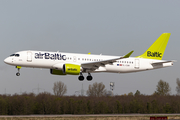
[45, 59]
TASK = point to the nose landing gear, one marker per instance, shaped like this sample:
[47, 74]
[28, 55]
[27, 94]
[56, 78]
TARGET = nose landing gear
[18, 73]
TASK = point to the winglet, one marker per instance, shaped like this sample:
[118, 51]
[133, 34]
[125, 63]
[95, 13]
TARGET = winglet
[128, 55]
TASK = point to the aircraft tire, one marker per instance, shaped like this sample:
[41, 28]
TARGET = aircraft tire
[89, 78]
[81, 78]
[18, 74]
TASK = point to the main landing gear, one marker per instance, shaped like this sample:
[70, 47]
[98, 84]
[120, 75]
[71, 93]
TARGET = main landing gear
[81, 77]
[89, 77]
[18, 73]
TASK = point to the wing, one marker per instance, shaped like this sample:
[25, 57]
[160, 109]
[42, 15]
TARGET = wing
[94, 65]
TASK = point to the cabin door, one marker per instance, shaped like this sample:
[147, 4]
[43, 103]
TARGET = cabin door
[136, 65]
[29, 56]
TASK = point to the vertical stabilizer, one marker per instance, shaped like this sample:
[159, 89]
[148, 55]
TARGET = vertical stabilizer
[156, 50]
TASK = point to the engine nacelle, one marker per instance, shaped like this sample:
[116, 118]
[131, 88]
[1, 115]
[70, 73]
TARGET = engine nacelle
[56, 72]
[70, 69]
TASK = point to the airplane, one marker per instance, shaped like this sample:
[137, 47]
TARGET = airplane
[61, 63]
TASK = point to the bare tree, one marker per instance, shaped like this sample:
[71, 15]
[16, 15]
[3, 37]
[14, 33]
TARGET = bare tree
[59, 88]
[97, 90]
[178, 86]
[163, 88]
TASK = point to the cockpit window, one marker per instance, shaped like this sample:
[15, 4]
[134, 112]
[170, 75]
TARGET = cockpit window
[12, 55]
[16, 55]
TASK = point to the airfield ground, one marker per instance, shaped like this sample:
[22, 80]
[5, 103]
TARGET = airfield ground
[90, 117]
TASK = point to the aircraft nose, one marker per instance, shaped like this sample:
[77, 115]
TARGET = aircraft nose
[7, 60]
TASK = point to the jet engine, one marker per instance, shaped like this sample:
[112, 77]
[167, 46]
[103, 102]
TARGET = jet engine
[64, 69]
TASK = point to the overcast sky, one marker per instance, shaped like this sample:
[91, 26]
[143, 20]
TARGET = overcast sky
[110, 27]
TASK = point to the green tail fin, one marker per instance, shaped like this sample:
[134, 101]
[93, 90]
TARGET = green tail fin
[156, 50]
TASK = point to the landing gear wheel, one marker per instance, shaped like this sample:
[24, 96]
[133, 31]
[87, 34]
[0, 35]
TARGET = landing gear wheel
[81, 78]
[18, 74]
[89, 78]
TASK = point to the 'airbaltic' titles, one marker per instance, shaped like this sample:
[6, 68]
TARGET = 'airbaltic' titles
[72, 69]
[154, 54]
[55, 56]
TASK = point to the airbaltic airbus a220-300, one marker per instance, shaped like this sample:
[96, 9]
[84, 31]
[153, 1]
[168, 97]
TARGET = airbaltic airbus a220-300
[61, 63]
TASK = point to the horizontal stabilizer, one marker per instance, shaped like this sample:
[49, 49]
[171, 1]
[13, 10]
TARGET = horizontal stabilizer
[163, 62]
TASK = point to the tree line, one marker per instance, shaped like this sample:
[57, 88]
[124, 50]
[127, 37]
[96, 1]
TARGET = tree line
[96, 101]
[46, 103]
